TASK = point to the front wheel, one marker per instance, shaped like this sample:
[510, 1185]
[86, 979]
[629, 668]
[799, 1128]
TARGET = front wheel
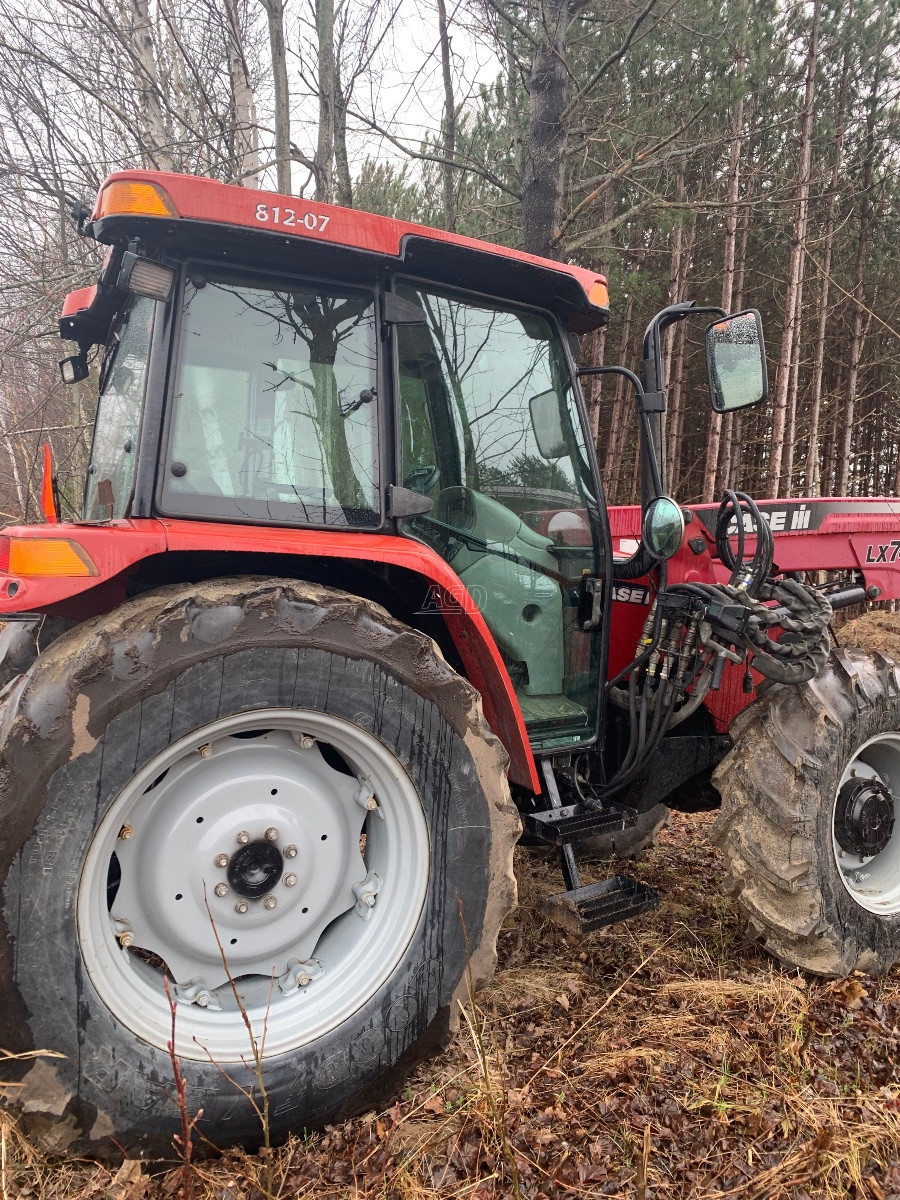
[272, 797]
[810, 820]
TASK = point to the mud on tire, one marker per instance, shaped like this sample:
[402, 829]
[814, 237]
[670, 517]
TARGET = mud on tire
[188, 680]
[811, 902]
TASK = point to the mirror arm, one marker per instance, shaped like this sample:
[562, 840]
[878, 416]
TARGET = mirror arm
[641, 562]
[647, 402]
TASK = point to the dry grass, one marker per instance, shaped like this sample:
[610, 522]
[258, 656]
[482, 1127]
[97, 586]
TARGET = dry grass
[661, 1058]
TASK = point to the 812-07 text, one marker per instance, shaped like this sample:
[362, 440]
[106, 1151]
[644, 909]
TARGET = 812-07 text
[289, 217]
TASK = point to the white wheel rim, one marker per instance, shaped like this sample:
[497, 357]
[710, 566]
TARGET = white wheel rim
[302, 965]
[874, 880]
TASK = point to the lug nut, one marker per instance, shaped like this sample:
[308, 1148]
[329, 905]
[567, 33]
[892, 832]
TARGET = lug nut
[202, 1000]
[243, 837]
[371, 804]
[303, 980]
[221, 889]
[126, 832]
[126, 939]
[307, 742]
[221, 860]
[206, 751]
[241, 906]
[271, 834]
[290, 852]
[290, 880]
[269, 902]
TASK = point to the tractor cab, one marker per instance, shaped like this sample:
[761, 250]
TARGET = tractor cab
[302, 381]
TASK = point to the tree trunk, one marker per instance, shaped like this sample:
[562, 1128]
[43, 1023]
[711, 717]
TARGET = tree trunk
[246, 131]
[275, 16]
[325, 146]
[732, 427]
[856, 337]
[343, 182]
[798, 240]
[542, 193]
[156, 148]
[448, 124]
[676, 281]
[791, 415]
[731, 221]
[619, 422]
[812, 456]
[675, 387]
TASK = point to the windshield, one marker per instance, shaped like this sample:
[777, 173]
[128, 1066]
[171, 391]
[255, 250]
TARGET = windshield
[274, 408]
[110, 477]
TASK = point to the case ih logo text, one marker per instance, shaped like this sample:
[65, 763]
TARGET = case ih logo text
[779, 519]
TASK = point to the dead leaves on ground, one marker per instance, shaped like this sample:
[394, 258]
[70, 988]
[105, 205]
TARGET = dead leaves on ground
[664, 1058]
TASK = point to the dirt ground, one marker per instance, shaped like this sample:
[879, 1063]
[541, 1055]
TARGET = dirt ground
[664, 1057]
[878, 630]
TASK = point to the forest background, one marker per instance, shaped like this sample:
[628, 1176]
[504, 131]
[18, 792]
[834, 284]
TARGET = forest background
[742, 153]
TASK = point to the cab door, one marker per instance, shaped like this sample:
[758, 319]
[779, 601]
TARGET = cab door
[490, 432]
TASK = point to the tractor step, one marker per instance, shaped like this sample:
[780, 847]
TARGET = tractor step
[573, 822]
[599, 904]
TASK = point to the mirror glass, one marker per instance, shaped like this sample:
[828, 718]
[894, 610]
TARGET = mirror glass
[736, 361]
[547, 424]
[663, 527]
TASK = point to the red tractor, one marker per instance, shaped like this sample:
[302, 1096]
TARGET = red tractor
[343, 608]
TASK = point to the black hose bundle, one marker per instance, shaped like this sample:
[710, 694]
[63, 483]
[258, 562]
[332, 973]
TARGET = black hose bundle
[752, 574]
[691, 628]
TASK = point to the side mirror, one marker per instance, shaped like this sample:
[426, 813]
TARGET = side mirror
[662, 530]
[547, 425]
[736, 362]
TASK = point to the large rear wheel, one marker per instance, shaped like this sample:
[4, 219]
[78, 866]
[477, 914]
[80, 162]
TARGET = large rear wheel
[810, 820]
[276, 799]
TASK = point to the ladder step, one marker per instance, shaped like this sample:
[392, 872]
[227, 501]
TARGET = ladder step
[573, 822]
[600, 904]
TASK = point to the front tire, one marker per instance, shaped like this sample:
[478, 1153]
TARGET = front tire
[310, 770]
[810, 820]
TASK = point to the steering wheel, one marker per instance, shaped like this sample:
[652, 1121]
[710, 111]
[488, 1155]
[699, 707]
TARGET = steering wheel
[423, 478]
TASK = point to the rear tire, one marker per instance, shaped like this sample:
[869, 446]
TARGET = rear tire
[136, 753]
[812, 900]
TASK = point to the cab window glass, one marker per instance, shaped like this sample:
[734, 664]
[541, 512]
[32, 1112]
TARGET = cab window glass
[275, 405]
[123, 376]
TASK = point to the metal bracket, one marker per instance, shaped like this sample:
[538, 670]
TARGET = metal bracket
[365, 797]
[365, 894]
[299, 975]
[196, 992]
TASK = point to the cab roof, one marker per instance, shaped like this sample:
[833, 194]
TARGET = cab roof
[187, 214]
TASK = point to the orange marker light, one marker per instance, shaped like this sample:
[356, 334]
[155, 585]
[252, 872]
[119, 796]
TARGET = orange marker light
[599, 295]
[48, 557]
[142, 199]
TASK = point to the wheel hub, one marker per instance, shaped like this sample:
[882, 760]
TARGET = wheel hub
[255, 869]
[864, 817]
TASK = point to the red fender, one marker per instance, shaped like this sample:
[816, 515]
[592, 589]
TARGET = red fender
[114, 547]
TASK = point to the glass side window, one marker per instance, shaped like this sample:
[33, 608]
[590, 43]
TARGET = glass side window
[110, 478]
[489, 431]
[275, 405]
